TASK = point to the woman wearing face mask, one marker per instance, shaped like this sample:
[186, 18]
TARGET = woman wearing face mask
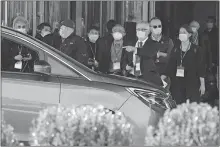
[110, 52]
[186, 69]
[91, 42]
[22, 59]
[44, 33]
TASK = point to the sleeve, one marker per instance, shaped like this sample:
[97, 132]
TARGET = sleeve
[100, 45]
[124, 59]
[200, 63]
[148, 52]
[171, 63]
[170, 47]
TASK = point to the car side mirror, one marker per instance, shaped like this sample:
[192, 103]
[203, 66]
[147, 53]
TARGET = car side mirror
[42, 67]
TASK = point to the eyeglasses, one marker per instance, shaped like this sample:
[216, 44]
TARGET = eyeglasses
[19, 27]
[159, 26]
[141, 29]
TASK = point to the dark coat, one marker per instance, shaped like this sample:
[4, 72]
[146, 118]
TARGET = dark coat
[214, 43]
[73, 46]
[104, 53]
[165, 45]
[92, 49]
[148, 55]
[10, 50]
[188, 86]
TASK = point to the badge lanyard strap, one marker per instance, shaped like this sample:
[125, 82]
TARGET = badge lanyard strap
[20, 49]
[182, 56]
[94, 53]
[117, 54]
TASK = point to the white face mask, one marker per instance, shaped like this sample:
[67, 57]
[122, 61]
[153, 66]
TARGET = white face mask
[183, 37]
[117, 36]
[22, 30]
[157, 31]
[141, 34]
[93, 37]
[64, 34]
[45, 33]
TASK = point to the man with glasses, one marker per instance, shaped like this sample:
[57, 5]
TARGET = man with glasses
[144, 54]
[165, 45]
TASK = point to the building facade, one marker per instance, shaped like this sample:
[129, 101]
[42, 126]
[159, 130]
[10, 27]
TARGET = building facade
[86, 13]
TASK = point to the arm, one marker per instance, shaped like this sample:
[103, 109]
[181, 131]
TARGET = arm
[148, 52]
[171, 63]
[200, 63]
[166, 58]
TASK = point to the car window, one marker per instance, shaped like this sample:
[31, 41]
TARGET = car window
[17, 57]
[57, 68]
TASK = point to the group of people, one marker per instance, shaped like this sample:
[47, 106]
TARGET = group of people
[181, 64]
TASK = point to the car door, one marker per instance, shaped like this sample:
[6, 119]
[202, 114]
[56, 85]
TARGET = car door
[25, 94]
[77, 89]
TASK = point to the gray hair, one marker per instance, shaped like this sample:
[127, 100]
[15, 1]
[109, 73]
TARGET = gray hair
[195, 23]
[143, 22]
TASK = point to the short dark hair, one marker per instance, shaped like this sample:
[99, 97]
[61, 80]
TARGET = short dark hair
[93, 27]
[211, 19]
[188, 28]
[42, 25]
[110, 24]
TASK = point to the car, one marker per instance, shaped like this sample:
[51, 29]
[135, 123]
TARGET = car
[59, 79]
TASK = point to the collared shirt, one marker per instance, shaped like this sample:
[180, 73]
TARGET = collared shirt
[136, 58]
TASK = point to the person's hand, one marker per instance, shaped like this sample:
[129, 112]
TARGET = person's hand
[161, 54]
[18, 57]
[163, 77]
[130, 48]
[128, 68]
[96, 63]
[202, 89]
[27, 58]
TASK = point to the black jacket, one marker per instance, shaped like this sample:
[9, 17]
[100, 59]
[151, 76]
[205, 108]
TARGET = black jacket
[73, 46]
[147, 56]
[92, 49]
[165, 45]
[214, 43]
[104, 53]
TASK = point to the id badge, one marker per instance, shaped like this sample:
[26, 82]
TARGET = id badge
[138, 66]
[18, 65]
[180, 71]
[116, 66]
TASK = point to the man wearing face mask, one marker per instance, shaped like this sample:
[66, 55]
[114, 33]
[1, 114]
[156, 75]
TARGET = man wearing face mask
[111, 52]
[165, 45]
[71, 44]
[144, 54]
[91, 41]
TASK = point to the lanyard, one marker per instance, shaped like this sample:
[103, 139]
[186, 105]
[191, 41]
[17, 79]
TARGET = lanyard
[20, 49]
[94, 53]
[182, 56]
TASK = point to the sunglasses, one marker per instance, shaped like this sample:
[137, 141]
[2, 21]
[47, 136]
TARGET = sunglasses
[23, 27]
[139, 29]
[159, 26]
